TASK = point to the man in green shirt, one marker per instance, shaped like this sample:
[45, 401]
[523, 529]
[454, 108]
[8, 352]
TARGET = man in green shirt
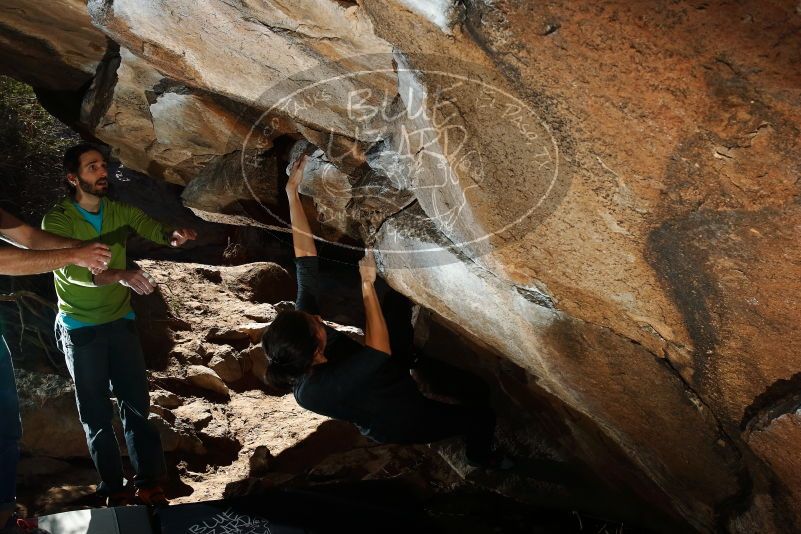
[34, 252]
[97, 330]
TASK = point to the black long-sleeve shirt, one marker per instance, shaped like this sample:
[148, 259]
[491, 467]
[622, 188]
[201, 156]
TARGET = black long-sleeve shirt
[358, 383]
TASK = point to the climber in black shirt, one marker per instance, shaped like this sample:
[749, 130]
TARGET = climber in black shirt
[368, 385]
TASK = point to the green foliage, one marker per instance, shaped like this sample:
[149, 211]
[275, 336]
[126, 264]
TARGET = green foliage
[32, 143]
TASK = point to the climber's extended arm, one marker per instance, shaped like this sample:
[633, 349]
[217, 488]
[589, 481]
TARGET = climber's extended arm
[302, 237]
[376, 334]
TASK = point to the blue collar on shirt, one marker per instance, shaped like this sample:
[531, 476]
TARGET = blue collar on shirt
[95, 219]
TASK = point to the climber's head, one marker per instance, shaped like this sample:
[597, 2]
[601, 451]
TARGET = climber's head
[294, 343]
[87, 171]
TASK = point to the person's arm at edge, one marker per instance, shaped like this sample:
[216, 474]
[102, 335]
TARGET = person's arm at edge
[25, 235]
[376, 333]
[78, 270]
[43, 252]
[302, 238]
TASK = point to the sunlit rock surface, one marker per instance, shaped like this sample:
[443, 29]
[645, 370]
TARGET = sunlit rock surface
[605, 194]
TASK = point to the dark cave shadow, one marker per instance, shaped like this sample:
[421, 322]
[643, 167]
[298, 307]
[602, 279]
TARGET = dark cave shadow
[175, 487]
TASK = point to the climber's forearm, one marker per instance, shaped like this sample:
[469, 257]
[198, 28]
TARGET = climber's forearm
[302, 237]
[376, 333]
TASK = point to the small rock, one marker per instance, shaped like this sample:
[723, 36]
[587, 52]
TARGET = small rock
[262, 313]
[203, 377]
[225, 334]
[260, 461]
[226, 364]
[165, 399]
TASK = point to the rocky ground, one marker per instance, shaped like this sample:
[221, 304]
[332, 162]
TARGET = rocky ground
[227, 434]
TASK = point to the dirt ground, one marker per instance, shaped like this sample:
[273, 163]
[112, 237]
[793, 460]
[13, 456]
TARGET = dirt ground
[234, 436]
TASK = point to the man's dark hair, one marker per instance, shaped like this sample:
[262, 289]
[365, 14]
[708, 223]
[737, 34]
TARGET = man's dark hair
[72, 160]
[72, 157]
[290, 344]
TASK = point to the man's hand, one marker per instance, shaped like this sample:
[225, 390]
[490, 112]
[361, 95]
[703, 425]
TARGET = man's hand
[181, 236]
[296, 176]
[139, 281]
[93, 256]
[367, 268]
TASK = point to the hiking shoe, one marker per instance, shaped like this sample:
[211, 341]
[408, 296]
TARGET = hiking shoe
[121, 498]
[152, 496]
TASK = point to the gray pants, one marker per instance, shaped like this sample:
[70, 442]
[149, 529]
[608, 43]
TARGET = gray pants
[106, 359]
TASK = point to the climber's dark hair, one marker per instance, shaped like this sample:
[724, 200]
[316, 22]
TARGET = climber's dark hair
[289, 343]
[72, 160]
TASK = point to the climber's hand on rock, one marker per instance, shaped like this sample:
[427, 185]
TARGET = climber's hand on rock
[296, 175]
[367, 268]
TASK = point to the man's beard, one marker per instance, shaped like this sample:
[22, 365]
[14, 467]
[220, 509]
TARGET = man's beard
[86, 187]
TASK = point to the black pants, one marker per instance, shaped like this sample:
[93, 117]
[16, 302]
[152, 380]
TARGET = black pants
[473, 418]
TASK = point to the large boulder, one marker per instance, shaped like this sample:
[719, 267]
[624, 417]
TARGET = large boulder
[605, 195]
[49, 416]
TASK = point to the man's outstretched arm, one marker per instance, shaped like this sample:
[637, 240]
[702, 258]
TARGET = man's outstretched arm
[151, 229]
[49, 252]
[302, 238]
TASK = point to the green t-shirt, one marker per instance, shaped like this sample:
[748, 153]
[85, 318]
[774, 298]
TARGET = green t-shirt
[78, 296]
